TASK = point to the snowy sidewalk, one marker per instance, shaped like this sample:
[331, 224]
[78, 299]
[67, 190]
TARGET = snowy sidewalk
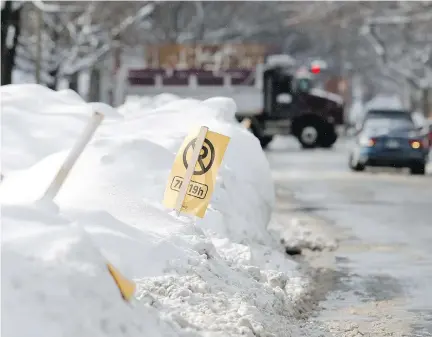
[223, 275]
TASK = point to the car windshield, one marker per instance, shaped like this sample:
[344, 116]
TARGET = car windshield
[388, 124]
[396, 114]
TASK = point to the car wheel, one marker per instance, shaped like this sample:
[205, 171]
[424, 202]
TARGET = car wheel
[355, 165]
[418, 169]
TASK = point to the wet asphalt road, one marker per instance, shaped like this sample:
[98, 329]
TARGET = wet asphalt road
[383, 218]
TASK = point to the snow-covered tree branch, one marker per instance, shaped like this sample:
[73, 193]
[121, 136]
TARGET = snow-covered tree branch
[388, 43]
[76, 38]
[402, 44]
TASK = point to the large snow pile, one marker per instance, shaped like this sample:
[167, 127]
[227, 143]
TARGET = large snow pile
[136, 105]
[219, 276]
[37, 121]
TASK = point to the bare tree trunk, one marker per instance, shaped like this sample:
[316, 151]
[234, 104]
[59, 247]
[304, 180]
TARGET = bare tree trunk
[53, 73]
[73, 82]
[415, 101]
[10, 23]
[406, 95]
[39, 28]
[426, 102]
[94, 89]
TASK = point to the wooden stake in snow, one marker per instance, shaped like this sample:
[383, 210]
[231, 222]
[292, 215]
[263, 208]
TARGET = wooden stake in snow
[76, 151]
[191, 168]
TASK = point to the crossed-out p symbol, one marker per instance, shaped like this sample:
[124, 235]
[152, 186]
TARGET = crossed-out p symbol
[205, 158]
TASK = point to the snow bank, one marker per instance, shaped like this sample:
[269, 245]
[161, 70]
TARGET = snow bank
[304, 232]
[139, 104]
[55, 282]
[218, 276]
[37, 121]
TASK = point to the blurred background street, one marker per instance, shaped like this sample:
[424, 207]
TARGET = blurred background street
[338, 95]
[383, 266]
[368, 48]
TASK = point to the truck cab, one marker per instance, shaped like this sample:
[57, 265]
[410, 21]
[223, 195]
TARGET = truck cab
[293, 105]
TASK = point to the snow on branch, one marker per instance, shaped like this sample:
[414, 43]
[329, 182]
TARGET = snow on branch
[401, 19]
[52, 8]
[101, 40]
[406, 64]
[376, 43]
[142, 13]
[76, 37]
[313, 12]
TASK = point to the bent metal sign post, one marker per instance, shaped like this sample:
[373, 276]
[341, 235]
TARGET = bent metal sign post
[193, 176]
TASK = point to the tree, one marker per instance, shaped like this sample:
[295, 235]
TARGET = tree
[76, 35]
[386, 43]
[10, 32]
[403, 46]
[335, 31]
[210, 22]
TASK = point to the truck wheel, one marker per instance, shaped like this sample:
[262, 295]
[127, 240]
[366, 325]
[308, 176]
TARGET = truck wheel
[328, 137]
[265, 141]
[309, 135]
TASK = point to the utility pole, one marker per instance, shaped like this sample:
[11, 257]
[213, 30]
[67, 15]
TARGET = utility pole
[39, 24]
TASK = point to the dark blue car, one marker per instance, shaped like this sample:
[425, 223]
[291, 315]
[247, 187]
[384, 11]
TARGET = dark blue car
[390, 143]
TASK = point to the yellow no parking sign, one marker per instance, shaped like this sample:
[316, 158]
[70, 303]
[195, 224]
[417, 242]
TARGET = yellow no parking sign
[190, 186]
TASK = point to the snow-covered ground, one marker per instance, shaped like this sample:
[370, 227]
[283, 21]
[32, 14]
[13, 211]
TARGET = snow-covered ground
[223, 275]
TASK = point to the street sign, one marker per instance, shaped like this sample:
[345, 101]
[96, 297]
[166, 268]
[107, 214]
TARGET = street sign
[193, 176]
